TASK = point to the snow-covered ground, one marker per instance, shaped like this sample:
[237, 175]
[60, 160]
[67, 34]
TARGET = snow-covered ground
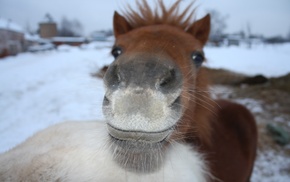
[269, 60]
[40, 89]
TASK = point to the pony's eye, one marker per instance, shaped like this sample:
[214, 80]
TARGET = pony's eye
[198, 58]
[117, 51]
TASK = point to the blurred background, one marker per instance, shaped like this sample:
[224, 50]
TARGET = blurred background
[54, 53]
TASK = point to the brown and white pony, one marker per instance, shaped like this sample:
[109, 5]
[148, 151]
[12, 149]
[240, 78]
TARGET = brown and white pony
[161, 124]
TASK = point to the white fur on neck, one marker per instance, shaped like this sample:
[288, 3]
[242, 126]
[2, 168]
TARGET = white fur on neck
[79, 151]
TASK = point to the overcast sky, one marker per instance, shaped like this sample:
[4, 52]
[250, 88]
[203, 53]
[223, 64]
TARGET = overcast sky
[266, 17]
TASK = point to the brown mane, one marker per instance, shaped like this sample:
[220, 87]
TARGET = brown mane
[145, 15]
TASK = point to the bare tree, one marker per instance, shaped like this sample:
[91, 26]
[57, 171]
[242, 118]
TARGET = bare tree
[70, 28]
[48, 18]
[27, 28]
[77, 27]
[249, 34]
[249, 29]
[218, 23]
[288, 36]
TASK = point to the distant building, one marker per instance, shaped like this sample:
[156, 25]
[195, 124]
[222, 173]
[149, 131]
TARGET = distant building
[11, 38]
[47, 28]
[98, 36]
[73, 41]
[233, 39]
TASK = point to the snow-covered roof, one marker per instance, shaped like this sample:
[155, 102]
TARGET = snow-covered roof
[47, 19]
[30, 37]
[68, 39]
[9, 25]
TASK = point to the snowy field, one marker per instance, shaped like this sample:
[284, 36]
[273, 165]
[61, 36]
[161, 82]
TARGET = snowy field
[269, 60]
[40, 89]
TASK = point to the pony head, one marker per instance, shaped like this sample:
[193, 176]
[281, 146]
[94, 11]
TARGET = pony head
[152, 82]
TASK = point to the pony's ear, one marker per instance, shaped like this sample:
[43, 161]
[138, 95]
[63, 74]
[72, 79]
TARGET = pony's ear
[200, 29]
[120, 24]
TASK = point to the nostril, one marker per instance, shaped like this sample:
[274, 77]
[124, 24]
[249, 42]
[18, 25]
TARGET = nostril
[106, 101]
[112, 77]
[176, 102]
[168, 78]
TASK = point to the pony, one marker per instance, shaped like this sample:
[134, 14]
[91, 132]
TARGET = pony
[161, 123]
